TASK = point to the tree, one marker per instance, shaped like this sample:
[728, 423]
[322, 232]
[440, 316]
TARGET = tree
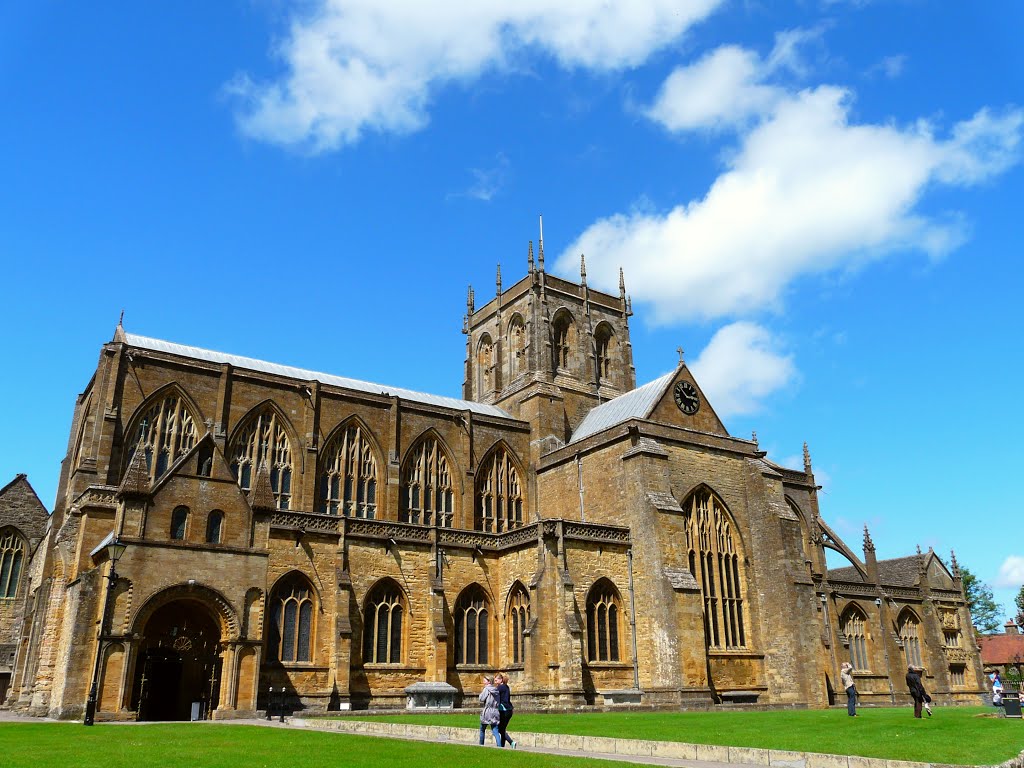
[985, 611]
[1019, 600]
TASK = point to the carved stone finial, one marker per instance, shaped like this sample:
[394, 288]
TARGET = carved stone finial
[262, 494]
[540, 246]
[919, 549]
[469, 298]
[807, 459]
[136, 479]
[622, 285]
[869, 545]
[529, 258]
[120, 320]
[583, 269]
[680, 351]
[954, 565]
[753, 437]
[497, 280]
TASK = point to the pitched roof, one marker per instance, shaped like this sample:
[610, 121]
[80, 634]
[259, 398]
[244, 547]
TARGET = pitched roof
[1001, 649]
[636, 404]
[897, 572]
[252, 364]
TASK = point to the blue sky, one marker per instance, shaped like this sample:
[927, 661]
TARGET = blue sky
[820, 201]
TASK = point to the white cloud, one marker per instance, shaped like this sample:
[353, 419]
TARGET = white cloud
[487, 182]
[1011, 573]
[358, 65]
[806, 191]
[740, 367]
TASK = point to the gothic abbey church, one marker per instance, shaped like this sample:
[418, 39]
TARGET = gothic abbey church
[351, 545]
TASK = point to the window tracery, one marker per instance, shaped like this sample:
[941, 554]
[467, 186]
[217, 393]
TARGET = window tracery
[167, 430]
[499, 495]
[909, 632]
[348, 480]
[564, 339]
[853, 622]
[12, 556]
[427, 497]
[291, 629]
[516, 347]
[264, 438]
[715, 564]
[382, 625]
[517, 622]
[471, 627]
[485, 366]
[604, 609]
[602, 344]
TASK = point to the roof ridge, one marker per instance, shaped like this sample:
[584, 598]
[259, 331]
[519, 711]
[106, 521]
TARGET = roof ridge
[306, 374]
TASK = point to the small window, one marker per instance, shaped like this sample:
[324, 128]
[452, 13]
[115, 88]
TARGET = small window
[957, 676]
[518, 620]
[214, 524]
[179, 520]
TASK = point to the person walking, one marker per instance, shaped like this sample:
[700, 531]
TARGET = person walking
[489, 713]
[846, 675]
[505, 709]
[917, 691]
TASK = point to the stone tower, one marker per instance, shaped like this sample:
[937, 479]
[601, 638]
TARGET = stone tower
[548, 350]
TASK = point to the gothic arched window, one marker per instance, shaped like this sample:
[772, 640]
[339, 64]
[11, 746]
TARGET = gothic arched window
[264, 438]
[471, 627]
[516, 347]
[382, 624]
[179, 523]
[485, 366]
[167, 430]
[517, 622]
[291, 628]
[348, 480]
[214, 524]
[427, 497]
[715, 564]
[604, 614]
[499, 494]
[854, 626]
[909, 632]
[563, 332]
[602, 347]
[12, 555]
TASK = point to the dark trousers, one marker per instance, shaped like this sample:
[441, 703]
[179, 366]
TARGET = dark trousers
[918, 704]
[503, 718]
[851, 701]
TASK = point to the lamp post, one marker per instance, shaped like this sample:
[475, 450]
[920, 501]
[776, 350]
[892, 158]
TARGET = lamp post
[114, 550]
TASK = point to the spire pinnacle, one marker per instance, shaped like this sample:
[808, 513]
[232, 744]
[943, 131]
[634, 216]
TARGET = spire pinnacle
[529, 258]
[869, 545]
[262, 494]
[918, 549]
[136, 479]
[497, 280]
[583, 268]
[807, 459]
[954, 565]
[540, 247]
[470, 299]
[753, 438]
[622, 285]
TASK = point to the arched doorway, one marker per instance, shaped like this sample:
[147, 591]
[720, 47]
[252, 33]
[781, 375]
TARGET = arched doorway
[178, 672]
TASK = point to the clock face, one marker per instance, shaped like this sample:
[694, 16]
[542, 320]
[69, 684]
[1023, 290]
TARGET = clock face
[686, 397]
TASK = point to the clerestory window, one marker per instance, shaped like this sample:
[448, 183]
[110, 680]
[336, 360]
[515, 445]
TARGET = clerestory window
[348, 480]
[499, 494]
[264, 439]
[427, 496]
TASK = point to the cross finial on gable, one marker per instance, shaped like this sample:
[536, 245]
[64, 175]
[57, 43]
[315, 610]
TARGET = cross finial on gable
[680, 351]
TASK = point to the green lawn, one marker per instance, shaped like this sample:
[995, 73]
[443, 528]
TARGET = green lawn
[961, 735]
[207, 745]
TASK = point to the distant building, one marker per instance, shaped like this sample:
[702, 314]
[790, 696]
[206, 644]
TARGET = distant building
[356, 545]
[1003, 652]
